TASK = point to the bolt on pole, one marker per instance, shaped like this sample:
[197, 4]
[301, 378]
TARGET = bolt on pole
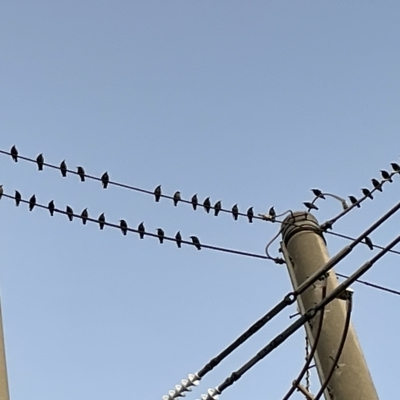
[305, 252]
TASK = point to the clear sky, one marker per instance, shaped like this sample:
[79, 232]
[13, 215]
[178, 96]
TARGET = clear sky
[253, 103]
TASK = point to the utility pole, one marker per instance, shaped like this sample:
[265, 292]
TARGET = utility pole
[4, 393]
[305, 252]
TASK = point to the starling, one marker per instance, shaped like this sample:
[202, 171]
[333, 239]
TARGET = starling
[81, 173]
[196, 242]
[141, 230]
[377, 185]
[32, 202]
[157, 193]
[235, 212]
[310, 206]
[63, 168]
[124, 226]
[368, 242]
[217, 208]
[195, 201]
[395, 166]
[105, 179]
[178, 239]
[272, 213]
[354, 201]
[250, 214]
[17, 198]
[1, 191]
[367, 193]
[160, 234]
[14, 153]
[386, 175]
[318, 193]
[70, 213]
[102, 220]
[51, 207]
[207, 204]
[40, 161]
[84, 216]
[177, 197]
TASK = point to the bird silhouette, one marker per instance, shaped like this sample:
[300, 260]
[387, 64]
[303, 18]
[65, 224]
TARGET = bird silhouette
[177, 197]
[17, 198]
[194, 201]
[318, 193]
[40, 161]
[14, 153]
[102, 220]
[63, 168]
[353, 200]
[217, 208]
[105, 179]
[70, 213]
[377, 185]
[207, 204]
[81, 173]
[368, 242]
[272, 213]
[160, 234]
[157, 193]
[395, 167]
[1, 191]
[386, 175]
[367, 193]
[235, 212]
[141, 230]
[51, 207]
[178, 239]
[250, 214]
[124, 226]
[196, 242]
[84, 216]
[310, 206]
[32, 202]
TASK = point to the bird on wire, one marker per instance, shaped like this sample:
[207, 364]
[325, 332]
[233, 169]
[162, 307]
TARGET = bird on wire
[63, 168]
[51, 207]
[178, 239]
[1, 191]
[70, 213]
[84, 216]
[368, 242]
[14, 153]
[17, 197]
[102, 220]
[386, 176]
[160, 234]
[81, 173]
[318, 193]
[141, 230]
[353, 200]
[395, 167]
[310, 206]
[124, 226]
[177, 197]
[194, 201]
[40, 162]
[32, 202]
[217, 208]
[367, 193]
[207, 204]
[250, 214]
[376, 184]
[157, 193]
[196, 242]
[105, 179]
[235, 212]
[272, 213]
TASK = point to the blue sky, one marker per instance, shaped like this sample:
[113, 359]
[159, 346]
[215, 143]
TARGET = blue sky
[250, 103]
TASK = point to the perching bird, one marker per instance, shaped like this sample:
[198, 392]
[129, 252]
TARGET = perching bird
[40, 161]
[102, 220]
[395, 166]
[377, 185]
[368, 242]
[14, 153]
[318, 193]
[353, 200]
[195, 201]
[1, 191]
[63, 168]
[196, 242]
[141, 230]
[84, 216]
[32, 202]
[272, 213]
[217, 208]
[81, 173]
[160, 234]
[105, 179]
[177, 197]
[70, 213]
[250, 214]
[310, 206]
[386, 175]
[124, 226]
[17, 198]
[235, 212]
[367, 193]
[51, 207]
[207, 204]
[157, 193]
[178, 239]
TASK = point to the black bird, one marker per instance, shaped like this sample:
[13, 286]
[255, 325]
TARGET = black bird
[207, 204]
[395, 166]
[272, 213]
[51, 207]
[14, 153]
[377, 185]
[160, 234]
[63, 168]
[386, 175]
[102, 220]
[367, 193]
[40, 161]
[310, 206]
[124, 226]
[178, 239]
[177, 197]
[141, 230]
[1, 191]
[157, 193]
[318, 193]
[70, 213]
[353, 200]
[105, 179]
[195, 201]
[196, 242]
[32, 202]
[235, 212]
[84, 216]
[368, 242]
[217, 208]
[250, 214]
[17, 198]
[81, 173]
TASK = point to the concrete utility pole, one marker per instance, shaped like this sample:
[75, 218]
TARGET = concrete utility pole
[305, 253]
[4, 394]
